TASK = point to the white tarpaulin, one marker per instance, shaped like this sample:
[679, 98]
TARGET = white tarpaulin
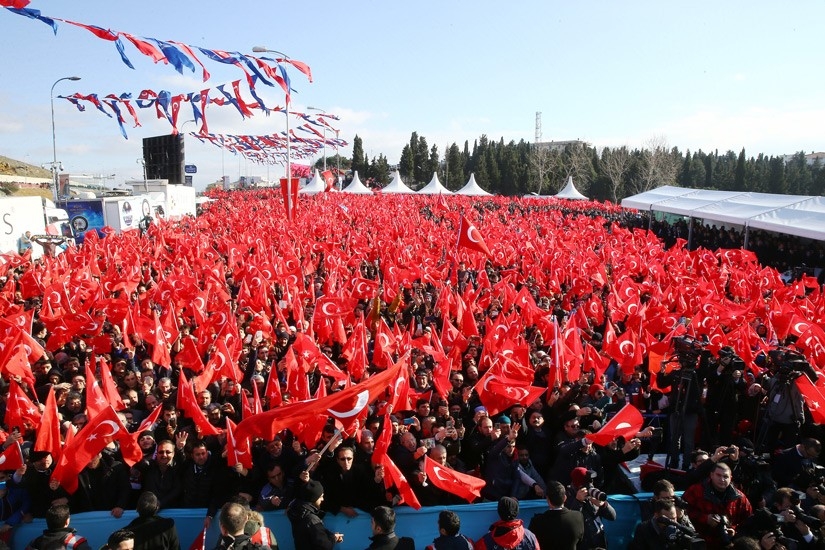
[396, 185]
[434, 187]
[800, 215]
[570, 192]
[472, 188]
[356, 187]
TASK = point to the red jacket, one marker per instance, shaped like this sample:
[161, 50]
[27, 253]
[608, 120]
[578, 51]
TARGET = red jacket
[704, 502]
[507, 535]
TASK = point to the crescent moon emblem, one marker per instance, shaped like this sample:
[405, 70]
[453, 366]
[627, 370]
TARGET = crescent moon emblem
[384, 340]
[437, 472]
[492, 377]
[200, 303]
[473, 234]
[632, 308]
[360, 403]
[623, 425]
[397, 382]
[114, 426]
[2, 459]
[628, 292]
[622, 346]
[325, 309]
[805, 326]
[221, 318]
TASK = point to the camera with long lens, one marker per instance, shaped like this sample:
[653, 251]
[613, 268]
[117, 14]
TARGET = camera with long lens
[678, 537]
[790, 364]
[687, 350]
[594, 492]
[723, 523]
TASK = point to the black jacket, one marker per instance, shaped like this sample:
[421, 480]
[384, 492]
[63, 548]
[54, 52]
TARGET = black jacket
[558, 529]
[53, 538]
[391, 542]
[308, 529]
[155, 533]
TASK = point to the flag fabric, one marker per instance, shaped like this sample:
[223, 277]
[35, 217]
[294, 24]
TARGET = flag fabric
[12, 457]
[470, 237]
[329, 179]
[99, 432]
[48, 436]
[289, 192]
[21, 412]
[237, 451]
[813, 398]
[626, 423]
[462, 485]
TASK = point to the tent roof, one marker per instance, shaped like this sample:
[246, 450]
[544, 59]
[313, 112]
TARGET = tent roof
[472, 188]
[315, 185]
[396, 185]
[800, 215]
[356, 187]
[570, 192]
[434, 187]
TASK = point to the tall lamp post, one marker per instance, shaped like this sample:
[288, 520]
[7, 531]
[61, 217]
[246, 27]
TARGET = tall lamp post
[55, 164]
[262, 49]
[325, 135]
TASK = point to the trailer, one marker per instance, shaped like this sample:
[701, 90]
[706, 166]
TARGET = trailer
[119, 213]
[36, 217]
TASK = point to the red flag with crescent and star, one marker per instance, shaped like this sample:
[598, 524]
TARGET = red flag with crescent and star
[627, 423]
[462, 485]
[470, 237]
[813, 398]
[12, 457]
[99, 432]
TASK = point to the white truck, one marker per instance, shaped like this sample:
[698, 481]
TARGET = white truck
[36, 216]
[170, 202]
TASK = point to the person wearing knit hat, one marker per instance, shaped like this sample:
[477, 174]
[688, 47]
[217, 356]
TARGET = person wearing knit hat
[308, 529]
[509, 531]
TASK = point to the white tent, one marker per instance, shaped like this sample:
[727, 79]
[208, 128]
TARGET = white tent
[800, 215]
[356, 187]
[397, 185]
[434, 187]
[315, 185]
[472, 188]
[570, 192]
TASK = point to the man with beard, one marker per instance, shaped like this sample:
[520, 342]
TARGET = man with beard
[528, 482]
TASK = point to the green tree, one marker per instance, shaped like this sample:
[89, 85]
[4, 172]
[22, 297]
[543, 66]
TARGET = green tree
[739, 174]
[456, 178]
[421, 154]
[359, 163]
[407, 163]
[433, 161]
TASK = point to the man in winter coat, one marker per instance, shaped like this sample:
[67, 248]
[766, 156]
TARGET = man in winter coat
[383, 532]
[304, 514]
[233, 520]
[58, 534]
[509, 532]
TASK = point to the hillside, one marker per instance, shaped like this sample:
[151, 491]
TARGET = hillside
[11, 167]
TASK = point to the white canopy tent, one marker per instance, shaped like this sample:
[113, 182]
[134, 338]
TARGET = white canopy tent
[570, 192]
[434, 187]
[799, 215]
[315, 185]
[396, 185]
[356, 187]
[472, 188]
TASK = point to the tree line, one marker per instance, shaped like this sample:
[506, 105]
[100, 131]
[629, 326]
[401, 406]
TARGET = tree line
[607, 174]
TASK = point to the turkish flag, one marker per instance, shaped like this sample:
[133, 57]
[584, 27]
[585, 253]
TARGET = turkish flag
[95, 399]
[189, 405]
[289, 192]
[12, 458]
[272, 392]
[109, 387]
[398, 479]
[470, 237]
[463, 485]
[813, 398]
[21, 412]
[99, 432]
[329, 179]
[498, 393]
[627, 423]
[345, 406]
[236, 451]
[48, 435]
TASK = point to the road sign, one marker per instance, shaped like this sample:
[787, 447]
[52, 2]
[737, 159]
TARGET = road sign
[190, 169]
[187, 180]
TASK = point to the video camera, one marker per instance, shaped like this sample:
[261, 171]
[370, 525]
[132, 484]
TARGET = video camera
[687, 350]
[679, 537]
[790, 364]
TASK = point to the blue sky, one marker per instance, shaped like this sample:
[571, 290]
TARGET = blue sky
[709, 75]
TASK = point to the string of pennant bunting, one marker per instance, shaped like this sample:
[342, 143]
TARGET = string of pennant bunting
[266, 70]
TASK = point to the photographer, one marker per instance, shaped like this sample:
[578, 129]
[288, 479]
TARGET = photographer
[664, 491]
[725, 384]
[784, 410]
[796, 524]
[716, 507]
[663, 531]
[583, 496]
[686, 384]
[792, 467]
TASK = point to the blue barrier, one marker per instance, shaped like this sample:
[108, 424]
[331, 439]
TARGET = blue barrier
[418, 524]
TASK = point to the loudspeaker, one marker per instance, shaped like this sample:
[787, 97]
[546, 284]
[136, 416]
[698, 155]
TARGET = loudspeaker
[164, 158]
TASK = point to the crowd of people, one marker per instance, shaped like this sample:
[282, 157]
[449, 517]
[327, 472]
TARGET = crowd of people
[454, 318]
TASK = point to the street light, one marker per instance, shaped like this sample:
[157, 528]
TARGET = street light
[262, 49]
[325, 135]
[55, 164]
